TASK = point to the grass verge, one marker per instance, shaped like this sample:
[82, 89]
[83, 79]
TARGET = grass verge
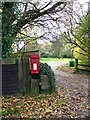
[43, 60]
[66, 68]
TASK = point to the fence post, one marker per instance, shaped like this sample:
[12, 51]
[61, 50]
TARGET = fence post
[26, 74]
[76, 65]
[20, 73]
[22, 80]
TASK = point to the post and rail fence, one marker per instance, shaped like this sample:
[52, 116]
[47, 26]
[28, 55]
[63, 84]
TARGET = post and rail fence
[79, 66]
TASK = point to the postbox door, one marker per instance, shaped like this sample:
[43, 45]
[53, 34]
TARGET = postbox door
[34, 64]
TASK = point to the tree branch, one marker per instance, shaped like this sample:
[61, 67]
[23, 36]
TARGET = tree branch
[34, 14]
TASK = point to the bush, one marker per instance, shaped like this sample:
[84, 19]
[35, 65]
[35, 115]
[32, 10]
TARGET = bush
[66, 56]
[71, 63]
[45, 69]
[45, 55]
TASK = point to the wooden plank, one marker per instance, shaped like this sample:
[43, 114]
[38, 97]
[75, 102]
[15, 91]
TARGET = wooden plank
[84, 65]
[21, 53]
[84, 69]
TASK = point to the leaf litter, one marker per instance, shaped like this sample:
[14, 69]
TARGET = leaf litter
[70, 100]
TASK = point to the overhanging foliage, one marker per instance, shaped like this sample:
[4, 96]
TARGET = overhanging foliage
[16, 15]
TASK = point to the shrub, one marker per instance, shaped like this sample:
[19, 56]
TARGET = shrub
[45, 69]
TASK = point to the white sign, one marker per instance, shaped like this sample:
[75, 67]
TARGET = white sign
[34, 66]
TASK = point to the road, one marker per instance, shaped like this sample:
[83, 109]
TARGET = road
[54, 66]
[74, 88]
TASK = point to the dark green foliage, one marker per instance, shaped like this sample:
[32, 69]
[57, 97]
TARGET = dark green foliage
[46, 55]
[8, 17]
[45, 69]
[71, 63]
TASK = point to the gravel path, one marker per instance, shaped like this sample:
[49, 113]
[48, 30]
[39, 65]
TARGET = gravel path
[74, 88]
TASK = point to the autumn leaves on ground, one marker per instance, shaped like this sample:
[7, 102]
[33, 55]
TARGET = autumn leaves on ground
[38, 106]
[70, 100]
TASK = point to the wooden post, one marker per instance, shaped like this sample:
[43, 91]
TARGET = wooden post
[27, 74]
[22, 80]
[34, 86]
[20, 74]
[76, 65]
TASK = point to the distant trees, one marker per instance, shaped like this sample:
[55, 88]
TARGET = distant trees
[56, 48]
[59, 48]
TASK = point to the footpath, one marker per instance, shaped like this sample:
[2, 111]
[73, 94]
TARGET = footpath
[73, 88]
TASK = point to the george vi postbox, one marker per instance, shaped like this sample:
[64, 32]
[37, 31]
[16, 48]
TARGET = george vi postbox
[34, 63]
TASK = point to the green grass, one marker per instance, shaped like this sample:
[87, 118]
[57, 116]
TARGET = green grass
[43, 60]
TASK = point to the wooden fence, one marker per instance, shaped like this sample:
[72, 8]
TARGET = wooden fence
[10, 79]
[83, 67]
[17, 77]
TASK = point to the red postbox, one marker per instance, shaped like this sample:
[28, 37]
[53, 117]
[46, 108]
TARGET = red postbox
[34, 63]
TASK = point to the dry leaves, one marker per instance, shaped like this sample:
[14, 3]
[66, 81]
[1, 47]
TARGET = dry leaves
[71, 101]
[38, 106]
[41, 106]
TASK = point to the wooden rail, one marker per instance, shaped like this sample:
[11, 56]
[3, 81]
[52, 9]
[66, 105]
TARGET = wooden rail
[78, 65]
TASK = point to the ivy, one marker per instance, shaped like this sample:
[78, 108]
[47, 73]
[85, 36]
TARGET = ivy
[45, 69]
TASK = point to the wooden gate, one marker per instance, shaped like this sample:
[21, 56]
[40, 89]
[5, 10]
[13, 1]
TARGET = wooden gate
[10, 79]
